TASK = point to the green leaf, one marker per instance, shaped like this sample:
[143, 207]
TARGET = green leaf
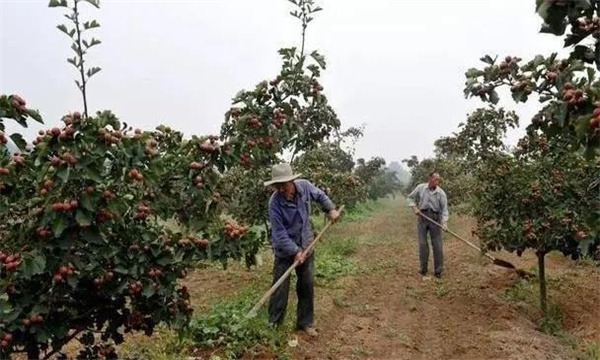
[92, 71]
[554, 16]
[86, 203]
[95, 42]
[320, 59]
[58, 226]
[573, 39]
[18, 140]
[560, 114]
[95, 3]
[35, 115]
[34, 265]
[64, 173]
[42, 336]
[58, 3]
[82, 218]
[93, 236]
[72, 281]
[93, 173]
[90, 25]
[73, 61]
[488, 60]
[165, 260]
[494, 98]
[121, 270]
[148, 291]
[63, 28]
[473, 73]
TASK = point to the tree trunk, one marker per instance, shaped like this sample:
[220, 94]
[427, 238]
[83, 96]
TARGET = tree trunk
[33, 352]
[542, 278]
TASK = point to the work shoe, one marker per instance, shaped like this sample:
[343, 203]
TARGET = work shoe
[310, 331]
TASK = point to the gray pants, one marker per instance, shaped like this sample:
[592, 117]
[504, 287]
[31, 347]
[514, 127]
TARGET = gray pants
[423, 227]
[304, 290]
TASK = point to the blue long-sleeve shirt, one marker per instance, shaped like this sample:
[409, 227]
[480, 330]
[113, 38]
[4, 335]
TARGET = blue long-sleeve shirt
[291, 230]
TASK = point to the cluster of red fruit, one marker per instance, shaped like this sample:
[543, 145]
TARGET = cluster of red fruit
[43, 233]
[192, 239]
[65, 134]
[566, 221]
[580, 235]
[186, 305]
[586, 25]
[197, 166]
[136, 175]
[65, 206]
[6, 340]
[135, 288]
[524, 86]
[234, 230]
[574, 97]
[279, 118]
[551, 76]
[69, 158]
[108, 195]
[316, 87]
[528, 230]
[142, 212]
[105, 215]
[19, 103]
[151, 147]
[508, 62]
[73, 118]
[99, 281]
[198, 182]
[536, 192]
[4, 171]
[245, 159]
[35, 319]
[255, 123]
[46, 187]
[63, 271]
[110, 137]
[276, 81]
[107, 351]
[558, 175]
[3, 139]
[10, 262]
[208, 146]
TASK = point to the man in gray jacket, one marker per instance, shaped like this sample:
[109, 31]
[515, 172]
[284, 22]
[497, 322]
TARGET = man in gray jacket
[429, 199]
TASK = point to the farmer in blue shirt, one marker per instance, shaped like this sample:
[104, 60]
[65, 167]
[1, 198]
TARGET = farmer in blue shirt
[291, 233]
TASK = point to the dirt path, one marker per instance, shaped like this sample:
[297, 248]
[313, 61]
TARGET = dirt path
[388, 311]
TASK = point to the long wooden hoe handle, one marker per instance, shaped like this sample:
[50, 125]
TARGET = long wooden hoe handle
[457, 236]
[283, 277]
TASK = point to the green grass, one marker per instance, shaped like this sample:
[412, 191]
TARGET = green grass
[333, 259]
[590, 351]
[225, 327]
[361, 211]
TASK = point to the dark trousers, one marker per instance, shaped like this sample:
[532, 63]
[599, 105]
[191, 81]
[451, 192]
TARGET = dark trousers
[304, 290]
[423, 227]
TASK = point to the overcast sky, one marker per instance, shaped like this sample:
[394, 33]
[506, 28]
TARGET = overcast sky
[395, 65]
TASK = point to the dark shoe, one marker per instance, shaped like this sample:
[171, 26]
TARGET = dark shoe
[310, 331]
[423, 273]
[438, 276]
